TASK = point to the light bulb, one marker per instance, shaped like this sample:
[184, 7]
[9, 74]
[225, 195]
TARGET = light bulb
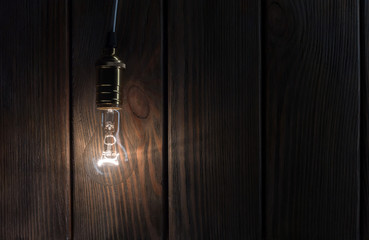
[105, 157]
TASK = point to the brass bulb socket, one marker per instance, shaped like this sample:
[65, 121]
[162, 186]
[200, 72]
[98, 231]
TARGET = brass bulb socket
[109, 79]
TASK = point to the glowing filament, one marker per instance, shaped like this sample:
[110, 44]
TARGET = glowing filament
[109, 155]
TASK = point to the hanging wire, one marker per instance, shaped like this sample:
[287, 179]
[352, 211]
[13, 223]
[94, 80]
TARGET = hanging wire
[115, 14]
[111, 40]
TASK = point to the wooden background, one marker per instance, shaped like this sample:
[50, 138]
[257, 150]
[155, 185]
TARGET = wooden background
[245, 119]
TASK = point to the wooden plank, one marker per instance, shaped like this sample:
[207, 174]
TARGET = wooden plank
[34, 120]
[312, 119]
[364, 126]
[133, 208]
[214, 119]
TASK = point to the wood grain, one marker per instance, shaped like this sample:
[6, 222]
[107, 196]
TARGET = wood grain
[214, 119]
[364, 126]
[132, 209]
[312, 119]
[34, 120]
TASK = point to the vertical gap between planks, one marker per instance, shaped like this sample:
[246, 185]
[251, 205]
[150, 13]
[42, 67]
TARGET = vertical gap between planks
[165, 147]
[362, 95]
[262, 112]
[71, 129]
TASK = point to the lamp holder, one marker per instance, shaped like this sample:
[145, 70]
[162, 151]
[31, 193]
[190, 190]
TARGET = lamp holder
[109, 79]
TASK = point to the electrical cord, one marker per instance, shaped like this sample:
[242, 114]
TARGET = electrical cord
[115, 14]
[112, 36]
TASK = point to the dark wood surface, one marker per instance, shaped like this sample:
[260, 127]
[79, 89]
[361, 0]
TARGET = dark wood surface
[132, 209]
[312, 119]
[214, 119]
[364, 126]
[34, 120]
[265, 131]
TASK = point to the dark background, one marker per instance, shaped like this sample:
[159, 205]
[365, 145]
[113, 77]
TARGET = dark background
[248, 119]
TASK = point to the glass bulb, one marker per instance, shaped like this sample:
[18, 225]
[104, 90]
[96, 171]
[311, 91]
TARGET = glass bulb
[105, 158]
